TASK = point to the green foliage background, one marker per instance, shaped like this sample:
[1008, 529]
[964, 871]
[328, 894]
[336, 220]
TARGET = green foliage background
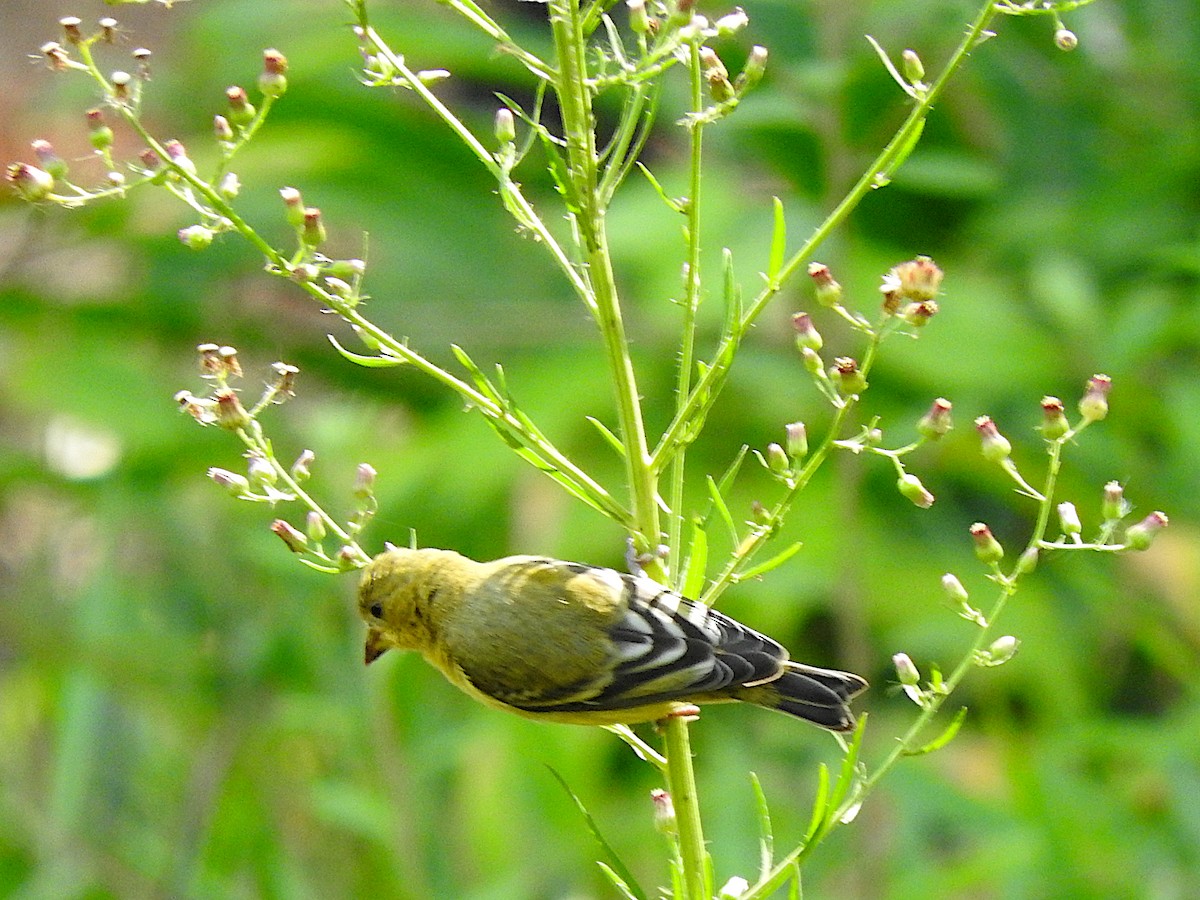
[183, 711]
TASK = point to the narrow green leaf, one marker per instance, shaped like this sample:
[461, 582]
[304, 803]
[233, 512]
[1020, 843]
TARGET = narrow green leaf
[733, 296]
[944, 738]
[777, 560]
[611, 859]
[766, 836]
[617, 882]
[719, 504]
[481, 381]
[848, 776]
[696, 564]
[778, 243]
[370, 362]
[613, 440]
[820, 810]
[658, 189]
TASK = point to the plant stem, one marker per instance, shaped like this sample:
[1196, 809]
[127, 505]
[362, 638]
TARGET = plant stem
[681, 781]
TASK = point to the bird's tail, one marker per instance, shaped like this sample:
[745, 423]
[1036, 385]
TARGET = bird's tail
[820, 696]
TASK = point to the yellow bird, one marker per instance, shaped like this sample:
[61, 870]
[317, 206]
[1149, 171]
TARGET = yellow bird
[568, 642]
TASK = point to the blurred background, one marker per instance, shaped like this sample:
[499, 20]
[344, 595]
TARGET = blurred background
[183, 708]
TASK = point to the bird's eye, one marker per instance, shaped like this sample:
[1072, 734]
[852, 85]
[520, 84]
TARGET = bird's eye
[376, 610]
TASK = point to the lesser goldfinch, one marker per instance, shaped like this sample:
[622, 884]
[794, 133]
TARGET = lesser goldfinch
[568, 642]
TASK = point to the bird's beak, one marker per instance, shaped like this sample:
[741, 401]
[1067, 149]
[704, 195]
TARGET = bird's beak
[376, 645]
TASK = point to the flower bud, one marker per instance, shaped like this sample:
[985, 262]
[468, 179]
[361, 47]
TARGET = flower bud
[1115, 506]
[241, 110]
[313, 232]
[906, 670]
[913, 68]
[346, 268]
[203, 410]
[664, 812]
[777, 460]
[294, 204]
[797, 440]
[222, 130]
[31, 183]
[120, 85]
[230, 185]
[314, 526]
[1054, 420]
[995, 446]
[759, 513]
[142, 55]
[936, 422]
[918, 314]
[955, 592]
[847, 377]
[1028, 561]
[273, 79]
[302, 468]
[1001, 650]
[1141, 535]
[829, 292]
[364, 481]
[716, 75]
[262, 473]
[735, 887]
[178, 154]
[54, 164]
[196, 237]
[987, 548]
[1094, 405]
[731, 22]
[1068, 518]
[911, 487]
[71, 29]
[231, 415]
[295, 540]
[1065, 40]
[504, 126]
[99, 133]
[806, 333]
[890, 289]
[348, 557]
[211, 363]
[56, 56]
[285, 380]
[639, 20]
[108, 29]
[753, 71]
[812, 361]
[236, 484]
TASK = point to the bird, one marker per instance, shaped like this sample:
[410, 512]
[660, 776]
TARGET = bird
[569, 642]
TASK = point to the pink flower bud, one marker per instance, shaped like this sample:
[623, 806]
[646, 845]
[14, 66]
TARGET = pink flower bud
[1094, 405]
[847, 377]
[1054, 420]
[829, 292]
[806, 333]
[31, 183]
[236, 484]
[937, 421]
[664, 812]
[797, 440]
[1115, 506]
[996, 447]
[1141, 535]
[296, 541]
[313, 231]
[231, 415]
[241, 110]
[987, 548]
[273, 80]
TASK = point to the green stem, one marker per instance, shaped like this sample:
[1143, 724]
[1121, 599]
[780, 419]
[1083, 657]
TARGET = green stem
[681, 782]
[691, 302]
[579, 132]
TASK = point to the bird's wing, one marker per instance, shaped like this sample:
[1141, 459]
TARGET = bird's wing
[664, 647]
